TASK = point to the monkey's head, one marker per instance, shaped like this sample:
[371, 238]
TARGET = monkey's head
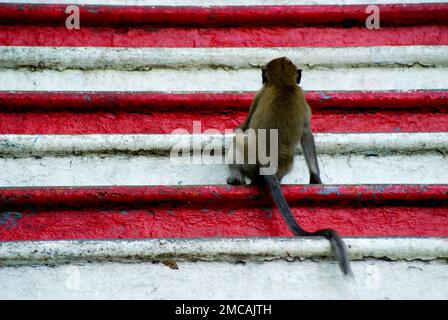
[281, 71]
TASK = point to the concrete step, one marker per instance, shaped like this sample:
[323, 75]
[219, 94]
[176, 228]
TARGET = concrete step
[39, 112]
[92, 206]
[183, 159]
[92, 81]
[216, 69]
[214, 211]
[146, 59]
[207, 269]
[233, 24]
[198, 280]
[214, 13]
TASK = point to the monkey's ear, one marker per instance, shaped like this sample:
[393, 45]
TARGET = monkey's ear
[263, 75]
[299, 75]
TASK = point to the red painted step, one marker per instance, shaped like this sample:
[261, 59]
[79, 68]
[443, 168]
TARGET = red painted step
[34, 35]
[225, 16]
[140, 112]
[259, 26]
[209, 211]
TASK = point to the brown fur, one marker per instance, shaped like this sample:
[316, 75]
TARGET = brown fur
[281, 105]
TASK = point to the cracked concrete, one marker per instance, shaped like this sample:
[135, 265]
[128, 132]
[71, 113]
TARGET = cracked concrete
[146, 59]
[218, 249]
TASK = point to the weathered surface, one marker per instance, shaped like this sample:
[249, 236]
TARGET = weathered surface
[212, 80]
[107, 170]
[151, 67]
[217, 211]
[93, 58]
[161, 144]
[220, 280]
[216, 249]
[43, 112]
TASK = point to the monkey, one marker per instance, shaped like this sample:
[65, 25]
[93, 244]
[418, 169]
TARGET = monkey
[280, 104]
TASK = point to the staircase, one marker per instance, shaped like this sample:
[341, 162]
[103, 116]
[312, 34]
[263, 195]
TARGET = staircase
[93, 206]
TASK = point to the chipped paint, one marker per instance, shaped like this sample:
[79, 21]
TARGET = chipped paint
[334, 36]
[375, 279]
[141, 102]
[141, 59]
[162, 144]
[329, 190]
[413, 50]
[225, 16]
[8, 220]
[157, 113]
[217, 249]
[324, 96]
[211, 3]
[195, 211]
[218, 80]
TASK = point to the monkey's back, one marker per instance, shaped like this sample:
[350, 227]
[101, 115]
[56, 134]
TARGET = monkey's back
[281, 108]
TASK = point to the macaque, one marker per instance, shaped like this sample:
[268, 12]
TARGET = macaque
[281, 105]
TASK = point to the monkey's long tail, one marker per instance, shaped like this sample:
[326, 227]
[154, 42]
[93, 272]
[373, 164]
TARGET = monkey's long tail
[337, 243]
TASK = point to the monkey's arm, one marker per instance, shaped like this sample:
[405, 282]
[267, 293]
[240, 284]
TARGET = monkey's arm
[245, 125]
[309, 149]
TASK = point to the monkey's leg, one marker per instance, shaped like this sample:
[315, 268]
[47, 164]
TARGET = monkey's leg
[235, 159]
[309, 150]
[252, 172]
[285, 164]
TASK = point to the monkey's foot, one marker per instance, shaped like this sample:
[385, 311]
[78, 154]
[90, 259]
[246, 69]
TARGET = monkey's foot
[257, 181]
[236, 181]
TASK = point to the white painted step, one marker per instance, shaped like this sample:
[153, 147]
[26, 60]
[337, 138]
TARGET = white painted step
[143, 170]
[216, 80]
[87, 160]
[13, 253]
[418, 270]
[23, 145]
[91, 58]
[219, 69]
[222, 280]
